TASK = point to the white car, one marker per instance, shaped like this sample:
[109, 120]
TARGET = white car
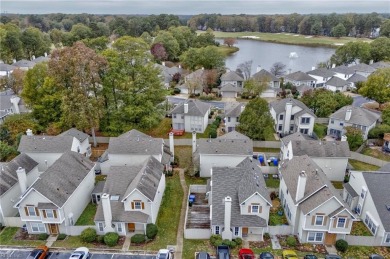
[164, 254]
[80, 253]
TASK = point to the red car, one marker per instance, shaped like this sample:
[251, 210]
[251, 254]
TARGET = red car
[246, 253]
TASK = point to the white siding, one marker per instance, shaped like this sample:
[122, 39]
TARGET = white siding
[138, 196]
[333, 167]
[42, 157]
[208, 161]
[257, 199]
[157, 199]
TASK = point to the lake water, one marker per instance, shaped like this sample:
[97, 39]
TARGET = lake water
[265, 54]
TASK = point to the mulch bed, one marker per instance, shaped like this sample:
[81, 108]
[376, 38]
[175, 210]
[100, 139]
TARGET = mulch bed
[302, 247]
[121, 241]
[260, 244]
[24, 235]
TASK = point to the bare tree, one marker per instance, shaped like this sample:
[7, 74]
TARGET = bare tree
[245, 69]
[196, 82]
[278, 69]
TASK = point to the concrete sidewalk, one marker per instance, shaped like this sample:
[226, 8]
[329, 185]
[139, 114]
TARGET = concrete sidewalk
[50, 240]
[180, 229]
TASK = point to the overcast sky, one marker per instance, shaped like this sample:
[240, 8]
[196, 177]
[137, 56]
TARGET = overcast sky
[192, 7]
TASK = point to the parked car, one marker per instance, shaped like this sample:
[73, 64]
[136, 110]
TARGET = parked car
[246, 253]
[266, 255]
[223, 252]
[164, 254]
[375, 256]
[289, 254]
[310, 257]
[39, 253]
[332, 256]
[80, 253]
[202, 255]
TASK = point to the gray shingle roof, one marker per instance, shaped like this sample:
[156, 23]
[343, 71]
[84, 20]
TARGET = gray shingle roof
[231, 76]
[359, 116]
[45, 144]
[197, 74]
[336, 81]
[228, 181]
[231, 88]
[46, 205]
[234, 135]
[280, 105]
[295, 136]
[225, 146]
[380, 64]
[233, 109]
[299, 76]
[8, 176]
[41, 59]
[81, 136]
[264, 74]
[343, 70]
[24, 63]
[317, 148]
[195, 108]
[321, 72]
[363, 68]
[350, 190]
[378, 185]
[120, 215]
[62, 178]
[6, 67]
[356, 78]
[135, 142]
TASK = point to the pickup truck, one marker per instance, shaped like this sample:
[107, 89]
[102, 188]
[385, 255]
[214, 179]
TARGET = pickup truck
[223, 252]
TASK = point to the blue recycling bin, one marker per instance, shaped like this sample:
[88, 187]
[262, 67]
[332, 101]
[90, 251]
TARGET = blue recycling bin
[191, 198]
[275, 162]
[261, 159]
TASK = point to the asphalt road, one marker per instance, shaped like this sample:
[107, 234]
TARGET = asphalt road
[22, 254]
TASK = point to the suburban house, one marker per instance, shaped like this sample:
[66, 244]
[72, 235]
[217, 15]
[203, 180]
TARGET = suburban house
[363, 69]
[131, 198]
[47, 149]
[343, 72]
[337, 84]
[24, 64]
[230, 91]
[380, 64]
[10, 104]
[291, 115]
[41, 59]
[368, 195]
[300, 78]
[6, 70]
[357, 117]
[322, 75]
[273, 88]
[134, 148]
[191, 115]
[232, 114]
[59, 196]
[15, 177]
[194, 82]
[232, 78]
[239, 202]
[227, 150]
[330, 156]
[167, 73]
[313, 207]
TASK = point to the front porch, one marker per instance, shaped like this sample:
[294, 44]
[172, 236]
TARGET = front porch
[252, 234]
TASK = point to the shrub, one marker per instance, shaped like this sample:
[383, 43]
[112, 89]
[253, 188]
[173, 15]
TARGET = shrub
[111, 238]
[176, 90]
[267, 236]
[138, 239]
[151, 231]
[238, 241]
[100, 239]
[229, 243]
[61, 236]
[291, 241]
[88, 235]
[213, 133]
[212, 113]
[216, 240]
[43, 236]
[341, 245]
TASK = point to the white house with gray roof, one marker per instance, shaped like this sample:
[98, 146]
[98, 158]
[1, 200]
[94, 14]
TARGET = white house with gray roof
[343, 72]
[300, 78]
[239, 202]
[10, 104]
[331, 156]
[232, 78]
[357, 117]
[227, 150]
[322, 75]
[15, 177]
[191, 115]
[354, 79]
[368, 195]
[6, 70]
[273, 88]
[291, 115]
[230, 91]
[335, 84]
[313, 207]
[57, 198]
[131, 198]
[363, 69]
[232, 114]
[24, 64]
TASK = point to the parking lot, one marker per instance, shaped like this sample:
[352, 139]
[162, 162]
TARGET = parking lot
[65, 255]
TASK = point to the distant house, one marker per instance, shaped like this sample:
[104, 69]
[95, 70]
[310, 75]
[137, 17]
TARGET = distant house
[322, 75]
[300, 78]
[368, 195]
[363, 69]
[354, 79]
[331, 156]
[131, 198]
[194, 82]
[357, 117]
[343, 72]
[232, 114]
[24, 64]
[240, 202]
[313, 207]
[15, 177]
[230, 91]
[41, 59]
[191, 115]
[10, 104]
[380, 64]
[167, 73]
[6, 70]
[291, 115]
[59, 196]
[273, 88]
[336, 84]
[227, 150]
[232, 78]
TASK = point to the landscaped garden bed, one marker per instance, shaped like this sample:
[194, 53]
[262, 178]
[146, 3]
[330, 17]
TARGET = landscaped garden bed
[359, 229]
[276, 214]
[292, 242]
[75, 241]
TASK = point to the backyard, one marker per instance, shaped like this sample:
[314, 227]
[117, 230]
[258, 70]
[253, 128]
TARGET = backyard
[376, 152]
[360, 166]
[276, 214]
[272, 182]
[86, 218]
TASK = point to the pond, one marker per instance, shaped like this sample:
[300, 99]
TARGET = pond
[265, 54]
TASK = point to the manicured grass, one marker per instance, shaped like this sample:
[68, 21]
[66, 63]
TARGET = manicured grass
[266, 149]
[7, 238]
[184, 154]
[272, 183]
[190, 246]
[360, 166]
[359, 229]
[162, 130]
[72, 242]
[365, 251]
[226, 51]
[320, 130]
[376, 153]
[289, 38]
[86, 218]
[279, 252]
[337, 184]
[270, 136]
[99, 178]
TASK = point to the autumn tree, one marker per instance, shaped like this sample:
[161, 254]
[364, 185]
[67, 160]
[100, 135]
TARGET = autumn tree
[256, 87]
[377, 86]
[229, 41]
[208, 58]
[170, 44]
[15, 80]
[158, 51]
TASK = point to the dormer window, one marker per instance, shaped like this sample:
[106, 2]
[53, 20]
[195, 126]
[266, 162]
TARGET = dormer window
[254, 208]
[137, 205]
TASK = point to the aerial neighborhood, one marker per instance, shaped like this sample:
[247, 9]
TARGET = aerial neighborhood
[144, 136]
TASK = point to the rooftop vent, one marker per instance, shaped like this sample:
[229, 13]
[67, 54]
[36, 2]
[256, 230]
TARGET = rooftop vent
[388, 207]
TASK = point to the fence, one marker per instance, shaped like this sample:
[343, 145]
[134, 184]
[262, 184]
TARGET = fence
[197, 233]
[13, 222]
[322, 121]
[363, 240]
[280, 230]
[194, 188]
[266, 144]
[76, 230]
[368, 159]
[269, 169]
[100, 139]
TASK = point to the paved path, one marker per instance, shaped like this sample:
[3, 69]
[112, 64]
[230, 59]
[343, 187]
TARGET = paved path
[50, 240]
[331, 250]
[275, 242]
[180, 229]
[126, 244]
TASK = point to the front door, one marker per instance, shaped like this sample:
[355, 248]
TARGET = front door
[53, 228]
[131, 227]
[330, 239]
[244, 232]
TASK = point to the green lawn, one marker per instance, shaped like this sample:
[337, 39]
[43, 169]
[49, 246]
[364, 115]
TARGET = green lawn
[320, 130]
[360, 166]
[337, 184]
[272, 183]
[365, 251]
[72, 242]
[359, 229]
[7, 238]
[275, 219]
[226, 51]
[270, 136]
[376, 153]
[266, 149]
[86, 218]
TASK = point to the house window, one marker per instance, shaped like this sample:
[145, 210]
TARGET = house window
[137, 205]
[292, 117]
[174, 116]
[370, 224]
[236, 231]
[49, 214]
[332, 121]
[280, 127]
[31, 211]
[255, 208]
[38, 227]
[315, 236]
[71, 221]
[228, 119]
[341, 222]
[305, 120]
[304, 131]
[281, 117]
[217, 230]
[119, 227]
[358, 209]
[319, 220]
[341, 123]
[291, 127]
[387, 238]
[101, 226]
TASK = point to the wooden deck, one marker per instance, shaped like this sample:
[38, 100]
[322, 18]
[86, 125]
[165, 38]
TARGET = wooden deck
[199, 214]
